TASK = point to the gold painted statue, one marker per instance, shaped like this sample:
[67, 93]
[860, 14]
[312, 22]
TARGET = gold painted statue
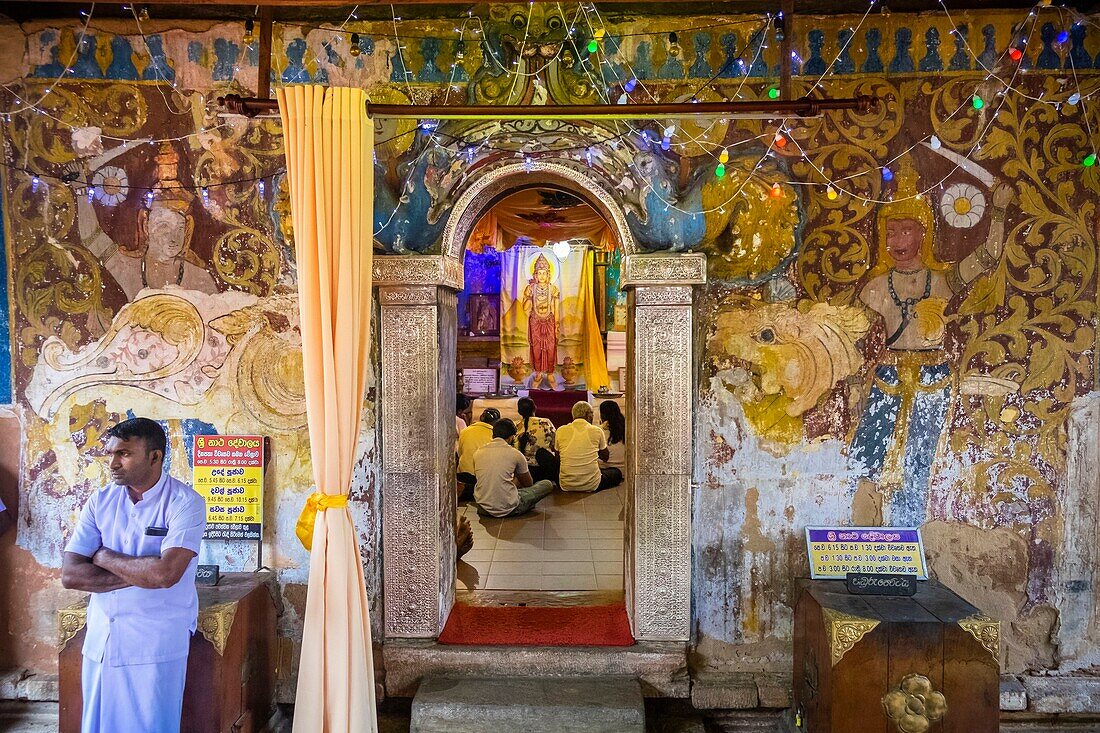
[906, 407]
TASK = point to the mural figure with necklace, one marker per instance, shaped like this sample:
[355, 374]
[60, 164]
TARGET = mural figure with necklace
[163, 257]
[906, 407]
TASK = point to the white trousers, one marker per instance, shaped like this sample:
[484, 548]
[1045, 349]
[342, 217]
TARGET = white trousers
[135, 698]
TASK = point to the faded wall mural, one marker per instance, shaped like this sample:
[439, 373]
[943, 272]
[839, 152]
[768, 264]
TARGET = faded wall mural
[900, 346]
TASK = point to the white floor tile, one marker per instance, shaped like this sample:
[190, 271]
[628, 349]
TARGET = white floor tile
[568, 582]
[532, 567]
[609, 582]
[604, 567]
[566, 543]
[514, 582]
[566, 567]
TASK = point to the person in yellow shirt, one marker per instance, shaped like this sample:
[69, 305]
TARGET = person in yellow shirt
[469, 440]
[581, 445]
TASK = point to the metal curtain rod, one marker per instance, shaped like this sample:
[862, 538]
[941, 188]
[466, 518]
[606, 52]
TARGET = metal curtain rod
[805, 107]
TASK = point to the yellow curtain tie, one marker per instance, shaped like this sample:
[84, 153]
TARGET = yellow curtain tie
[308, 517]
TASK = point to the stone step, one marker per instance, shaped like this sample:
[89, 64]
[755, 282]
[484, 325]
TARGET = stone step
[495, 704]
[661, 667]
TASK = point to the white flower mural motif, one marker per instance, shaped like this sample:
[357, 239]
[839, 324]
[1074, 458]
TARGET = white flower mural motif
[962, 205]
[111, 185]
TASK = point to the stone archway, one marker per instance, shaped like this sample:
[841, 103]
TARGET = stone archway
[418, 331]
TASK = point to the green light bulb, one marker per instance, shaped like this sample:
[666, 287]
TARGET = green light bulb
[1089, 161]
[593, 46]
[978, 103]
[773, 93]
[720, 171]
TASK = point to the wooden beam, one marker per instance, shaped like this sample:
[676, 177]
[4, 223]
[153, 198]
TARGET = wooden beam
[263, 83]
[766, 108]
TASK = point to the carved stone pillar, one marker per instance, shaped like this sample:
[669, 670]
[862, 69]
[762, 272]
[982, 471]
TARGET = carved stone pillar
[417, 330]
[661, 398]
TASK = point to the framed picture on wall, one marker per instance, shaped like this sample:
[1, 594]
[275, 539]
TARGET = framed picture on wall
[483, 314]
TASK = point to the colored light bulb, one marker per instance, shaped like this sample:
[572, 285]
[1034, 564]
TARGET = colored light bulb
[780, 141]
[630, 85]
[776, 192]
[1089, 161]
[1063, 36]
[666, 143]
[593, 46]
[831, 193]
[773, 93]
[1015, 54]
[977, 102]
[720, 170]
[1074, 98]
[724, 156]
[935, 143]
[887, 174]
[355, 50]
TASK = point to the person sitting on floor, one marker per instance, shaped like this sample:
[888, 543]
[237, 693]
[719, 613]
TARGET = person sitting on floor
[469, 441]
[613, 424]
[535, 435]
[580, 446]
[504, 487]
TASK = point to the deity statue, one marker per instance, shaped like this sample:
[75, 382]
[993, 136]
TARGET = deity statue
[162, 257]
[906, 406]
[541, 305]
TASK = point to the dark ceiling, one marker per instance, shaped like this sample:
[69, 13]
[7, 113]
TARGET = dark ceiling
[321, 10]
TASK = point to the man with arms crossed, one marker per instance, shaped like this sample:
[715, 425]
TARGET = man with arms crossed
[135, 549]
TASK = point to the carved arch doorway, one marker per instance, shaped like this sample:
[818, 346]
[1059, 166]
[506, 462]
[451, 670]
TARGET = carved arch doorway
[418, 329]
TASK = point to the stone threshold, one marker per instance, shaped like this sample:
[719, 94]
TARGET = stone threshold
[661, 667]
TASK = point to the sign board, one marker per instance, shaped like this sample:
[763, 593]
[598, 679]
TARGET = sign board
[229, 473]
[479, 381]
[863, 584]
[836, 551]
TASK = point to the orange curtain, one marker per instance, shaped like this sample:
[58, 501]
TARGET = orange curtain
[595, 360]
[328, 142]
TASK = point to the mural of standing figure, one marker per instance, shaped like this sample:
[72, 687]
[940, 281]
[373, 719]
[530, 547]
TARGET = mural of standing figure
[906, 408]
[542, 308]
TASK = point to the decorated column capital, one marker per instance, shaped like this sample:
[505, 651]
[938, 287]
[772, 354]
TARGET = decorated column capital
[398, 270]
[664, 269]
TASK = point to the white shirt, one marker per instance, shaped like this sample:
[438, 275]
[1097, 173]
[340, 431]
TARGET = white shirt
[141, 625]
[496, 463]
[578, 445]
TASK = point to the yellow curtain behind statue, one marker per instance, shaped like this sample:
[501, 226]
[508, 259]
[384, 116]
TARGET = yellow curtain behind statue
[328, 141]
[595, 360]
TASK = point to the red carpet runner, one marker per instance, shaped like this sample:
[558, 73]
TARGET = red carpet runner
[537, 626]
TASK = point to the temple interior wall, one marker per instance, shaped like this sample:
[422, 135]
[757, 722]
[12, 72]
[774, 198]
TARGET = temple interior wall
[1003, 496]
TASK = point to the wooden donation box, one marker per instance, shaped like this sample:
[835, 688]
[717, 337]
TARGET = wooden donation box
[230, 668]
[881, 664]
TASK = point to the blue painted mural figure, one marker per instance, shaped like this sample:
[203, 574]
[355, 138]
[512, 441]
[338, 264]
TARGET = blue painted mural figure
[905, 411]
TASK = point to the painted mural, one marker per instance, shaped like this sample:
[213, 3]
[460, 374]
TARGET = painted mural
[815, 404]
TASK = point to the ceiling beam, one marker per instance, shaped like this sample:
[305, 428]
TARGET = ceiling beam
[764, 108]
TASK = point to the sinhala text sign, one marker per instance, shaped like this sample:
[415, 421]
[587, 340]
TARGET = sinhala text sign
[229, 473]
[836, 551]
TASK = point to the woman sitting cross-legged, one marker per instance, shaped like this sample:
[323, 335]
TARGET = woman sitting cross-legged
[504, 487]
[535, 436]
[613, 423]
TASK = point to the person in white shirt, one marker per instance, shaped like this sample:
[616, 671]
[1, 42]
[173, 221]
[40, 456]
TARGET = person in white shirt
[504, 487]
[581, 445]
[135, 549]
[613, 424]
[534, 437]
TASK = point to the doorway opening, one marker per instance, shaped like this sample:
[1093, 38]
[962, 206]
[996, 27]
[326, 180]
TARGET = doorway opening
[542, 325]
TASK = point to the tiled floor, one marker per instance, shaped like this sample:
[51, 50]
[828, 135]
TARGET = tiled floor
[570, 541]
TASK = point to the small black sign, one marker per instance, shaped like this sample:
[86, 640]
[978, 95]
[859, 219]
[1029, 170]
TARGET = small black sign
[866, 584]
[207, 575]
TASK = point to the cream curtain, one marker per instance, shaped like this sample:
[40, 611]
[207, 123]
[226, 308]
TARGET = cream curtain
[328, 141]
